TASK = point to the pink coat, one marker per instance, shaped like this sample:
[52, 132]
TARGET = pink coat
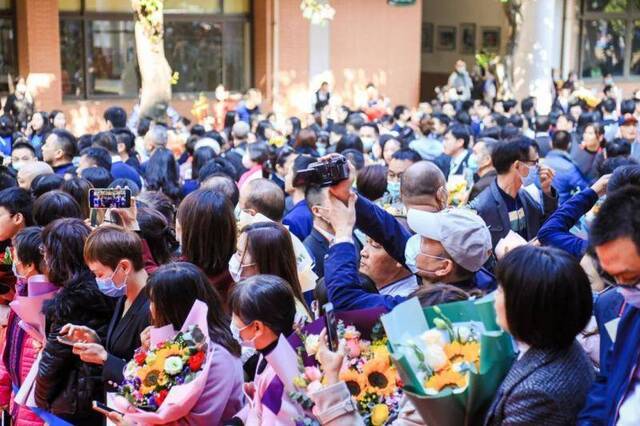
[19, 354]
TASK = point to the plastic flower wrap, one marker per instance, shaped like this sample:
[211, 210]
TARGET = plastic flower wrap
[149, 376]
[367, 370]
[451, 357]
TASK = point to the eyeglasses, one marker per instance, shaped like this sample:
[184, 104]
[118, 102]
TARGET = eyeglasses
[531, 163]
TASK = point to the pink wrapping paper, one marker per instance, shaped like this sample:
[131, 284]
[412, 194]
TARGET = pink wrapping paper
[181, 398]
[32, 320]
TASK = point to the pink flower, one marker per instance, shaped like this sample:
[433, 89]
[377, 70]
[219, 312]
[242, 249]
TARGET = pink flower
[353, 347]
[312, 373]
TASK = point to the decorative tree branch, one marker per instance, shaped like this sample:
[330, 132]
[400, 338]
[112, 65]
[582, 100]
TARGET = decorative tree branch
[513, 10]
[154, 68]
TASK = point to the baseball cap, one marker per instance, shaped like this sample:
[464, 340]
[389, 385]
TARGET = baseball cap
[240, 130]
[462, 233]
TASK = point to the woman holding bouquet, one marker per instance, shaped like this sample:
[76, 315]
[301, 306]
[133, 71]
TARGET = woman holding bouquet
[65, 385]
[543, 300]
[21, 349]
[115, 257]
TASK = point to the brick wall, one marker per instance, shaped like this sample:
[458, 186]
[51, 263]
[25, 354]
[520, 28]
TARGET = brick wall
[39, 50]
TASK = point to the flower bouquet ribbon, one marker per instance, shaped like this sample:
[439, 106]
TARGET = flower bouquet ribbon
[451, 358]
[163, 384]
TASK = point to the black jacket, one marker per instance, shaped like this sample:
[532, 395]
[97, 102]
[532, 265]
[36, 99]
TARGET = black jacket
[65, 385]
[123, 336]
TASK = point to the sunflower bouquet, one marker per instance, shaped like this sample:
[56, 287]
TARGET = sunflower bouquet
[162, 385]
[150, 375]
[451, 358]
[367, 371]
[458, 189]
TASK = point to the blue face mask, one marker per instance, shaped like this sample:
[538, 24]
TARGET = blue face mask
[321, 148]
[532, 177]
[109, 288]
[393, 188]
[411, 251]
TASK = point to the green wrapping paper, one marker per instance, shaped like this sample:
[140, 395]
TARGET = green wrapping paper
[451, 408]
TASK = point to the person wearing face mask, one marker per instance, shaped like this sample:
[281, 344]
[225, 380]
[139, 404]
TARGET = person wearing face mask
[369, 134]
[266, 248]
[21, 154]
[461, 81]
[16, 207]
[486, 173]
[20, 348]
[505, 205]
[400, 162]
[255, 161]
[115, 258]
[206, 230]
[65, 386]
[263, 310]
[173, 290]
[568, 178]
[615, 234]
[451, 247]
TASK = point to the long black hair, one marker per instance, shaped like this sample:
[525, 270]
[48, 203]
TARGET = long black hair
[173, 289]
[162, 174]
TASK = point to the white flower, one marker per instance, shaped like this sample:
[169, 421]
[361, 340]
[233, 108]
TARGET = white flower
[433, 337]
[464, 333]
[311, 344]
[173, 365]
[435, 357]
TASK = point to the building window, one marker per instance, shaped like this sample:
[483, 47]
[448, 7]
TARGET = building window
[206, 41]
[610, 38]
[8, 57]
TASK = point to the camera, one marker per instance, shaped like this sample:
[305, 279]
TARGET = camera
[323, 173]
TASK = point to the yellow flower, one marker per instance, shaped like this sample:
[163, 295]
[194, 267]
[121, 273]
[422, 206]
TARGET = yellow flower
[447, 379]
[380, 376]
[379, 414]
[458, 352]
[380, 352]
[150, 378]
[163, 354]
[355, 382]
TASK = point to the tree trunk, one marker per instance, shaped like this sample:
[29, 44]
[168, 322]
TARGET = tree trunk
[513, 10]
[154, 68]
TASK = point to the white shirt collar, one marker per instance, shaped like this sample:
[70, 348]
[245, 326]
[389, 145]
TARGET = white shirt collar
[116, 159]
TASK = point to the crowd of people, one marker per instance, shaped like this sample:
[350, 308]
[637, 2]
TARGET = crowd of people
[451, 200]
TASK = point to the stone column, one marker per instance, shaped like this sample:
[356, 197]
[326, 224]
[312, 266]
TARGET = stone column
[533, 57]
[38, 31]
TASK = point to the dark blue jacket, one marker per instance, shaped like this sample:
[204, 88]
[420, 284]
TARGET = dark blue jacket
[568, 176]
[555, 231]
[317, 246]
[299, 220]
[607, 306]
[61, 170]
[612, 384]
[386, 230]
[492, 209]
[120, 170]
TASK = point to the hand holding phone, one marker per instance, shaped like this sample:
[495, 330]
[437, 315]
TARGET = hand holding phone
[112, 414]
[331, 325]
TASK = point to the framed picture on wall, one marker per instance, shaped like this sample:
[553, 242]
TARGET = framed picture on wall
[427, 37]
[446, 38]
[491, 39]
[468, 39]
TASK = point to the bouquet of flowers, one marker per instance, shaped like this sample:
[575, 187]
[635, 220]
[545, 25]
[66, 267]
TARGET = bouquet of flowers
[367, 371]
[163, 384]
[150, 375]
[451, 357]
[458, 188]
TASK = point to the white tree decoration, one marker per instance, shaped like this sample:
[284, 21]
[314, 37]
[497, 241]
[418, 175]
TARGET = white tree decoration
[319, 12]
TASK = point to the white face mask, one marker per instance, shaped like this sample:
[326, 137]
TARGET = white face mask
[235, 332]
[17, 165]
[631, 294]
[411, 251]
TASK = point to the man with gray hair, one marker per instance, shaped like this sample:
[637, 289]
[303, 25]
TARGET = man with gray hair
[240, 136]
[30, 171]
[156, 137]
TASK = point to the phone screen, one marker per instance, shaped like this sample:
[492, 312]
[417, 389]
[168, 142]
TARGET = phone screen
[107, 198]
[332, 326]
